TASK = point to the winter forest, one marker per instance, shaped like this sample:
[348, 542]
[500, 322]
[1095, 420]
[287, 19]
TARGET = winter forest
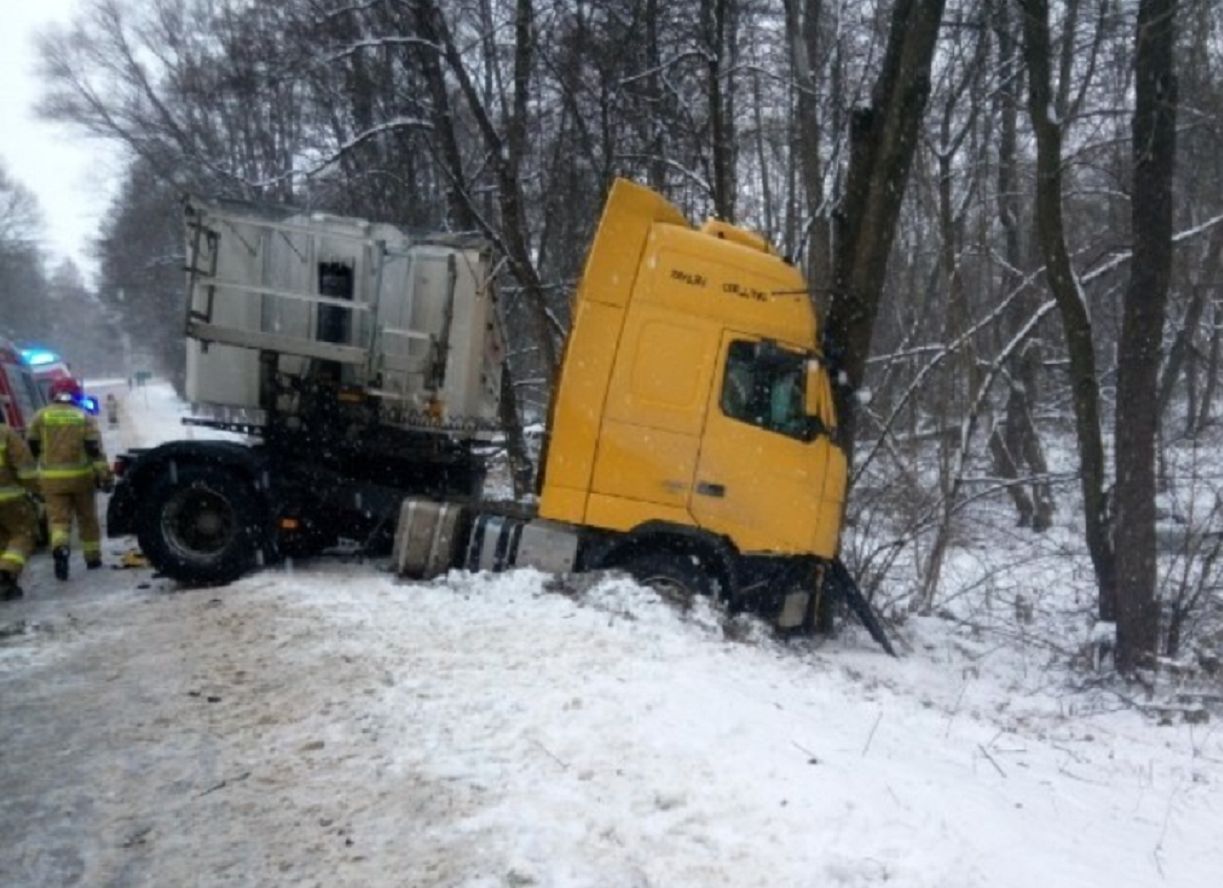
[1008, 211]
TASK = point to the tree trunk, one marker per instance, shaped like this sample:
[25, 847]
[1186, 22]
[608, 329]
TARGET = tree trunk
[656, 170]
[1138, 352]
[505, 155]
[762, 160]
[1006, 466]
[1071, 301]
[1181, 352]
[1018, 441]
[803, 34]
[719, 23]
[444, 139]
[1212, 369]
[463, 214]
[883, 138]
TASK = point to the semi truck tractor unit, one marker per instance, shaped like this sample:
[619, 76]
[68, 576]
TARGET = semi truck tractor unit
[359, 361]
[692, 439]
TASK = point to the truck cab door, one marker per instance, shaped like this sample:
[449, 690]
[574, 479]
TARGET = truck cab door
[768, 475]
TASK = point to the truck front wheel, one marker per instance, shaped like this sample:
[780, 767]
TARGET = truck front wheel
[676, 575]
[201, 525]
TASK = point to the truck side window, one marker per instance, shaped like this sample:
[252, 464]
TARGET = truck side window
[765, 393]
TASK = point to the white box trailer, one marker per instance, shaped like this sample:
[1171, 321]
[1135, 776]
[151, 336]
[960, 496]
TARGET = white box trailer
[363, 361]
[282, 301]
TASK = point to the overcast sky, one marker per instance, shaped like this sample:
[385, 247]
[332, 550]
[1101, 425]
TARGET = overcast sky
[72, 176]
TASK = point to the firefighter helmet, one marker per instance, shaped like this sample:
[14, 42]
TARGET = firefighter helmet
[65, 389]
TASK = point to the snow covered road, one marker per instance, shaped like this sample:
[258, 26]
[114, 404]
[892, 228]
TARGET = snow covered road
[333, 727]
[328, 725]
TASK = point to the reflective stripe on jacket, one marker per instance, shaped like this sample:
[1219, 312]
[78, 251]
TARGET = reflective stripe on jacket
[17, 471]
[62, 432]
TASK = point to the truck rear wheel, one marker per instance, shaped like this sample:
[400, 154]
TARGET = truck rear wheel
[201, 525]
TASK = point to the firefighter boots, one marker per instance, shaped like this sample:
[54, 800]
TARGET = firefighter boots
[60, 554]
[9, 590]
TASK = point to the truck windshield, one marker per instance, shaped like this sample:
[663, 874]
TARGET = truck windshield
[766, 389]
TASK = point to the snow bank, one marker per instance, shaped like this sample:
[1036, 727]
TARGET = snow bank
[600, 738]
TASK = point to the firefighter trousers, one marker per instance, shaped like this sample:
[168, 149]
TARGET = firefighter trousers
[62, 507]
[18, 532]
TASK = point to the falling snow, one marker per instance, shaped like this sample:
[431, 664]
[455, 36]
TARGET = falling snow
[323, 723]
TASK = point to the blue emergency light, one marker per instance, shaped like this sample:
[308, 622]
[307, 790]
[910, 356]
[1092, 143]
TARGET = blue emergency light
[89, 404]
[38, 357]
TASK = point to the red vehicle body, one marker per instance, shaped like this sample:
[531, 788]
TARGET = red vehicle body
[20, 396]
[47, 368]
[46, 372]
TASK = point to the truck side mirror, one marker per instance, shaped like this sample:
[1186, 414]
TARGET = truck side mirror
[811, 389]
[817, 395]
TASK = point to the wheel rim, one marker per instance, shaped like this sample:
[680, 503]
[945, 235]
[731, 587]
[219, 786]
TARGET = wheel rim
[668, 587]
[198, 523]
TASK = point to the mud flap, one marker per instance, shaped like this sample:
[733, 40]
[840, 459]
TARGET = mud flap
[839, 584]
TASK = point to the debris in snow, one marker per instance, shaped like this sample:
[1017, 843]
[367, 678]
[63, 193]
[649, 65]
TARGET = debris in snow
[1101, 642]
[1209, 662]
[1104, 632]
[136, 838]
[224, 783]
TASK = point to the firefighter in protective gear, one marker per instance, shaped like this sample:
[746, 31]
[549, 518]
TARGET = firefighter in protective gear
[71, 464]
[18, 517]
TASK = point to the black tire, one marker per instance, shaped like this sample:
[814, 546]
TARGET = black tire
[201, 524]
[672, 574]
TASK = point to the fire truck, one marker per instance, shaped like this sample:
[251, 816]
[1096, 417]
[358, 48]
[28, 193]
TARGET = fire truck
[20, 396]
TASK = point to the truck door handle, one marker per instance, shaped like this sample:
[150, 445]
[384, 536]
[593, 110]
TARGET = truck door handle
[706, 488]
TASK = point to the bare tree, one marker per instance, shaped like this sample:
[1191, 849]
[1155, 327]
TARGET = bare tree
[24, 313]
[883, 139]
[719, 21]
[1015, 442]
[1138, 353]
[1047, 110]
[505, 150]
[804, 19]
[20, 217]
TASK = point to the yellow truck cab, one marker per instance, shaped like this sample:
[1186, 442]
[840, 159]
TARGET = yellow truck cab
[691, 440]
[693, 392]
